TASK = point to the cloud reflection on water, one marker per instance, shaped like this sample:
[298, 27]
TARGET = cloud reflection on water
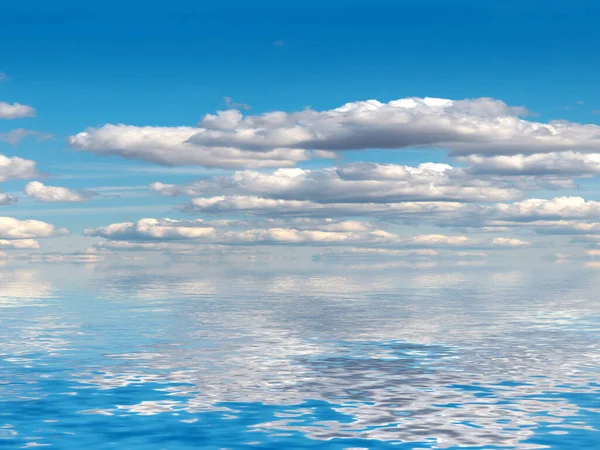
[432, 356]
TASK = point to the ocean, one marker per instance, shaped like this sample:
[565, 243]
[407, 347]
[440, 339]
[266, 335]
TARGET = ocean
[220, 355]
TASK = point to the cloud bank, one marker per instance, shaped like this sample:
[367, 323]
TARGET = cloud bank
[230, 139]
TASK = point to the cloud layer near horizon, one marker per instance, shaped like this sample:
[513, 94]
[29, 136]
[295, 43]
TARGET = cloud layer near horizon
[507, 182]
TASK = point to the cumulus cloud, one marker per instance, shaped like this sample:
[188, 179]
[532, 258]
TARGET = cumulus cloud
[44, 193]
[556, 216]
[569, 214]
[323, 224]
[556, 163]
[414, 212]
[559, 215]
[172, 146]
[147, 238]
[11, 228]
[558, 208]
[439, 240]
[154, 229]
[502, 156]
[170, 230]
[482, 125]
[19, 244]
[509, 242]
[294, 236]
[354, 183]
[16, 111]
[191, 236]
[280, 139]
[16, 168]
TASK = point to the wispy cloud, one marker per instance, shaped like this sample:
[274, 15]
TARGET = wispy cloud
[13, 137]
[234, 105]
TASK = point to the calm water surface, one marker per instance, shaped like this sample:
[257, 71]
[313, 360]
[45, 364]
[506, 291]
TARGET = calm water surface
[217, 357]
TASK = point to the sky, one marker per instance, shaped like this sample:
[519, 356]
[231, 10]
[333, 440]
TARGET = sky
[413, 131]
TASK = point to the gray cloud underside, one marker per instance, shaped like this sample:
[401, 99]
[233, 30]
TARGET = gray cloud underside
[173, 147]
[54, 194]
[230, 139]
[355, 183]
[6, 199]
[560, 215]
[502, 157]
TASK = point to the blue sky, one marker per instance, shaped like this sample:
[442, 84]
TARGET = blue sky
[84, 65]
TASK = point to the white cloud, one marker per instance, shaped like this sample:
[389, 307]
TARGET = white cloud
[16, 168]
[325, 224]
[354, 183]
[472, 254]
[279, 139]
[168, 230]
[293, 236]
[154, 229]
[539, 164]
[11, 228]
[3, 77]
[408, 211]
[171, 146]
[240, 203]
[19, 244]
[502, 158]
[190, 236]
[509, 242]
[197, 230]
[560, 215]
[560, 227]
[44, 193]
[558, 208]
[480, 125]
[440, 240]
[16, 111]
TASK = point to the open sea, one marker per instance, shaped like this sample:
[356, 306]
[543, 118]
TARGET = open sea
[212, 355]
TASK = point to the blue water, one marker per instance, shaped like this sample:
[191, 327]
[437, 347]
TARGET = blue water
[221, 356]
